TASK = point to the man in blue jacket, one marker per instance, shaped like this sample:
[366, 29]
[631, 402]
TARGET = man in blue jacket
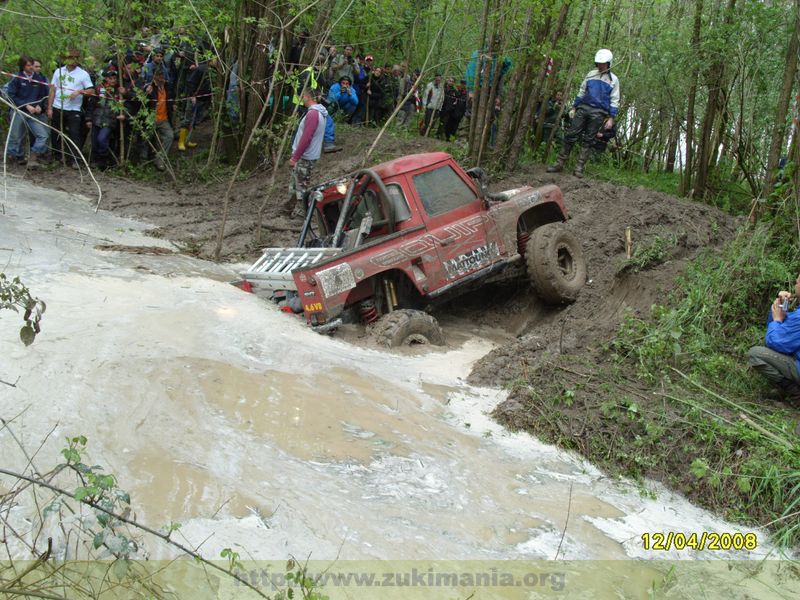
[595, 108]
[778, 360]
[343, 96]
[28, 91]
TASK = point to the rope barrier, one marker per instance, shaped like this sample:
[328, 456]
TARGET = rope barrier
[63, 137]
[53, 85]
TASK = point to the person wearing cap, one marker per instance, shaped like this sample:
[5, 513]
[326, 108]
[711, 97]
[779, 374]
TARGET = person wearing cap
[595, 108]
[130, 84]
[156, 60]
[69, 85]
[306, 148]
[343, 96]
[27, 91]
[372, 93]
[104, 117]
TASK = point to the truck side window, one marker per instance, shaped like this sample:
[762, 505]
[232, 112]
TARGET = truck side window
[441, 190]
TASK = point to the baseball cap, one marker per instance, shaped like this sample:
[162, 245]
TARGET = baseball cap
[368, 57]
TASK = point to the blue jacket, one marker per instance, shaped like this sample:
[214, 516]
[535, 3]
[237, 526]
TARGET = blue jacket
[24, 91]
[474, 69]
[599, 90]
[784, 337]
[335, 95]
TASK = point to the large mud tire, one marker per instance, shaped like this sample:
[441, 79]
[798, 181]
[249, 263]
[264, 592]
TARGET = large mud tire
[407, 327]
[555, 263]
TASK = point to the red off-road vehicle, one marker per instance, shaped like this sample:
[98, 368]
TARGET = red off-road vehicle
[381, 244]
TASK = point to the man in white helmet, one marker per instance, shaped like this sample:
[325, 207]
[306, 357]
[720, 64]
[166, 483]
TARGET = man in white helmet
[594, 109]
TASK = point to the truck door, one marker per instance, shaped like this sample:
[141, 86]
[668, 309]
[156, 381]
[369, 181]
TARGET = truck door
[455, 221]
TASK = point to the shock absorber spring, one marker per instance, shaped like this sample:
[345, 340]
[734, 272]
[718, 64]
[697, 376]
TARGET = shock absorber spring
[522, 242]
[368, 312]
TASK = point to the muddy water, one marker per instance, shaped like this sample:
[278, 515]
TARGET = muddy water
[219, 412]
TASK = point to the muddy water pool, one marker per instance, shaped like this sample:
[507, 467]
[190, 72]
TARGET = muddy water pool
[217, 411]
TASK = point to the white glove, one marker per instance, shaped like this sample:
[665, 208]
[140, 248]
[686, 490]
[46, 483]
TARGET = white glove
[572, 113]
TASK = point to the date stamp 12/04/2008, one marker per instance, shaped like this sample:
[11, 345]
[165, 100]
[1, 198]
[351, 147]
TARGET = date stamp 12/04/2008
[707, 540]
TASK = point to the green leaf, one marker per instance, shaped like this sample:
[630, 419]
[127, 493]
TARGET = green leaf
[99, 539]
[699, 468]
[121, 567]
[743, 483]
[83, 492]
[71, 455]
[27, 334]
[105, 482]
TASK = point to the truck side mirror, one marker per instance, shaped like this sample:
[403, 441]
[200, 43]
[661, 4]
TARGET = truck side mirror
[479, 176]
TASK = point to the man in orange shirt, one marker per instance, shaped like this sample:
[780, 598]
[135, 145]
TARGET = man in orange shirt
[160, 102]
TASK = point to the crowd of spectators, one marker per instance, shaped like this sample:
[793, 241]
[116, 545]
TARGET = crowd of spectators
[143, 99]
[135, 105]
[364, 92]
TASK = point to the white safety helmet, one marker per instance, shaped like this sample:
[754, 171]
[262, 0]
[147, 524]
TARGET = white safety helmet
[603, 56]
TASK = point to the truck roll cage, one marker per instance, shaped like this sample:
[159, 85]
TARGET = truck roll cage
[357, 184]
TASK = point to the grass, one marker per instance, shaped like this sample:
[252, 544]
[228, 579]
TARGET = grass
[655, 252]
[671, 397]
[608, 169]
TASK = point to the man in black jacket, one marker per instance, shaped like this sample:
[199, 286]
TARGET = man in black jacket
[198, 92]
[454, 107]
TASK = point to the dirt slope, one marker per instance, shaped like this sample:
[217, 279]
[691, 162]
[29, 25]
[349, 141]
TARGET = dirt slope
[600, 213]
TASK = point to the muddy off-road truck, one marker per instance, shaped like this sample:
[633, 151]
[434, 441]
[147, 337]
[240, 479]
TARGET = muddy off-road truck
[381, 244]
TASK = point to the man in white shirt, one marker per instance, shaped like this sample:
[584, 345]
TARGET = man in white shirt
[69, 85]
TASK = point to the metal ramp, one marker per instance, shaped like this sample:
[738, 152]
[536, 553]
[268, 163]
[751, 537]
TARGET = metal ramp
[273, 271]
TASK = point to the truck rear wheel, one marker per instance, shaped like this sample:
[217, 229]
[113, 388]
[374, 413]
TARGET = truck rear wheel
[407, 327]
[555, 262]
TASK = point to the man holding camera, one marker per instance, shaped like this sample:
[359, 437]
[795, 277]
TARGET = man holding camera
[344, 65]
[779, 360]
[343, 96]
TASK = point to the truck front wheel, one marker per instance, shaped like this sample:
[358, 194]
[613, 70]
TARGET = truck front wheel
[407, 327]
[555, 263]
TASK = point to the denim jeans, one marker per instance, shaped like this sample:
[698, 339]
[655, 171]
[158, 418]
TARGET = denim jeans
[30, 123]
[101, 137]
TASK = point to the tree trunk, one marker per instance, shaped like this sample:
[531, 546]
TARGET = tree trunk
[779, 120]
[672, 144]
[715, 82]
[512, 97]
[533, 96]
[686, 182]
[570, 75]
[478, 76]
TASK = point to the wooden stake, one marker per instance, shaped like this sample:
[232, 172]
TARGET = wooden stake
[628, 243]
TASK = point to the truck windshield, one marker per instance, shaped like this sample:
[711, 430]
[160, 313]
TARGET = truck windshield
[442, 190]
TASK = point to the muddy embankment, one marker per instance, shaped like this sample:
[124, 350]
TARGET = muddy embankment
[189, 214]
